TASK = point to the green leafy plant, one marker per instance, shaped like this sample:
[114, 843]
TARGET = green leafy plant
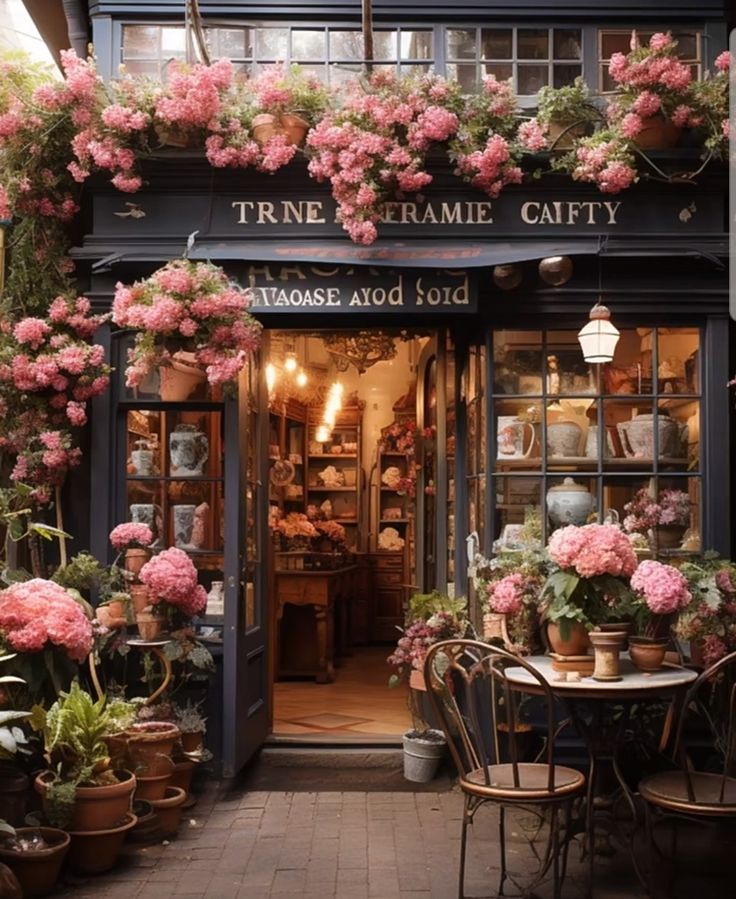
[568, 105]
[424, 605]
[12, 738]
[16, 517]
[189, 718]
[74, 732]
[84, 573]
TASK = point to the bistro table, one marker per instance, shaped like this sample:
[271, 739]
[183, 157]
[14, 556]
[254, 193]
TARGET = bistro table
[601, 713]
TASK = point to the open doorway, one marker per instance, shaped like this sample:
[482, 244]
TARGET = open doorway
[344, 464]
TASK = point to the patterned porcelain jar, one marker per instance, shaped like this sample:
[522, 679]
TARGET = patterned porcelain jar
[569, 503]
[563, 438]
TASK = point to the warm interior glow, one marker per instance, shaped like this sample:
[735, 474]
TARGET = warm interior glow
[322, 435]
[301, 379]
[598, 340]
[270, 376]
[290, 364]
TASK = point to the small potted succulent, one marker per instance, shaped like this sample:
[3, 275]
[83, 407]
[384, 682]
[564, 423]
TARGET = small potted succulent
[192, 725]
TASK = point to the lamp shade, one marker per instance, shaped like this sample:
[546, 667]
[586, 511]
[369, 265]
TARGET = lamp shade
[599, 337]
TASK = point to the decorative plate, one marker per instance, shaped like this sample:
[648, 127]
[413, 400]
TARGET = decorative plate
[282, 473]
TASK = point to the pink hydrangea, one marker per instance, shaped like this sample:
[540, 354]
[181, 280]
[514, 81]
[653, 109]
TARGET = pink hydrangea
[130, 534]
[723, 61]
[533, 135]
[36, 613]
[172, 579]
[714, 649]
[662, 587]
[31, 331]
[506, 596]
[593, 550]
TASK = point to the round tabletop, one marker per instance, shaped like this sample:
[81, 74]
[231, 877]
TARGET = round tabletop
[634, 684]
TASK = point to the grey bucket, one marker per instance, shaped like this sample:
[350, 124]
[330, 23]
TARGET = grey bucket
[422, 757]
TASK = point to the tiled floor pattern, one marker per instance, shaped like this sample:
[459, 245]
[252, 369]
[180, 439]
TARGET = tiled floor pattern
[348, 845]
[358, 702]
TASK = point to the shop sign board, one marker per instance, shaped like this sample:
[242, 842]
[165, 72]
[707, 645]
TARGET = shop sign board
[278, 288]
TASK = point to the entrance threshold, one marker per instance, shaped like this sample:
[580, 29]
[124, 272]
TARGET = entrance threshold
[336, 741]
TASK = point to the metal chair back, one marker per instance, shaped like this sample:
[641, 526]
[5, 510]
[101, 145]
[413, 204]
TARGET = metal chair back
[465, 680]
[719, 680]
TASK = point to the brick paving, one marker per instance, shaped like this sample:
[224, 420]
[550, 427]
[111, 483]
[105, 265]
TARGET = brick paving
[252, 844]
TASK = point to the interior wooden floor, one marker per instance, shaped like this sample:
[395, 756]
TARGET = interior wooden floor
[359, 702]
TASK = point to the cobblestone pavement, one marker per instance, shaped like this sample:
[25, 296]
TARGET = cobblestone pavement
[332, 845]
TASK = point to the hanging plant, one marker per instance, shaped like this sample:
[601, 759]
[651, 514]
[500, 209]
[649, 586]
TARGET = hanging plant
[187, 304]
[374, 149]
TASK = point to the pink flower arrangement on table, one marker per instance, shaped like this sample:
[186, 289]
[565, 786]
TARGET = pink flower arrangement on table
[593, 550]
[129, 535]
[662, 588]
[187, 301]
[173, 581]
[38, 614]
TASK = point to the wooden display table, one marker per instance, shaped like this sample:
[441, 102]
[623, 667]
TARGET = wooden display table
[322, 590]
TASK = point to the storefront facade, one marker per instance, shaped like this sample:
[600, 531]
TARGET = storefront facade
[464, 271]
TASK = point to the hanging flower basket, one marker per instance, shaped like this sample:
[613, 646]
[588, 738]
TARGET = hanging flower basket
[658, 133]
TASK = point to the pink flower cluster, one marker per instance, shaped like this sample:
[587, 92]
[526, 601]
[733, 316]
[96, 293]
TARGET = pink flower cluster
[663, 588]
[655, 67]
[673, 507]
[412, 646]
[130, 534]
[333, 530]
[43, 457]
[172, 579]
[593, 550]
[532, 135]
[36, 613]
[491, 168]
[194, 97]
[506, 596]
[606, 161]
[373, 148]
[187, 300]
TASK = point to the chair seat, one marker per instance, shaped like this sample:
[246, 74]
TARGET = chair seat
[668, 790]
[533, 782]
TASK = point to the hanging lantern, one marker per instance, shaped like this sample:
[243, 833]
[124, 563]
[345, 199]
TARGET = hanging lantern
[599, 337]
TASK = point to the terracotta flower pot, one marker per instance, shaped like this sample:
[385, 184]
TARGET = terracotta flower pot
[150, 625]
[152, 788]
[562, 135]
[192, 742]
[135, 559]
[669, 536]
[140, 597]
[658, 133]
[150, 744]
[37, 870]
[576, 644]
[146, 829]
[183, 773]
[264, 127]
[169, 810]
[97, 851]
[95, 808]
[13, 794]
[647, 653]
[294, 128]
[178, 381]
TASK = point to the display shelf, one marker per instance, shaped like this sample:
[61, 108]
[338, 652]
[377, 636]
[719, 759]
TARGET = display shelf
[315, 488]
[186, 479]
[318, 456]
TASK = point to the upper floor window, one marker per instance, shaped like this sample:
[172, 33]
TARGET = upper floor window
[531, 57]
[333, 54]
[618, 40]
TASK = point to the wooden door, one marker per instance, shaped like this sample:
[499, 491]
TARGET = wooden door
[246, 648]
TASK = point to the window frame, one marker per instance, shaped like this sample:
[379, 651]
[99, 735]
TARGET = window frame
[601, 62]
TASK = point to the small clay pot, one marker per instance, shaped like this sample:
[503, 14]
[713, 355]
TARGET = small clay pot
[37, 870]
[140, 597]
[577, 643]
[150, 625]
[183, 773]
[192, 742]
[294, 128]
[264, 128]
[615, 627]
[94, 852]
[169, 810]
[646, 653]
[153, 788]
[135, 559]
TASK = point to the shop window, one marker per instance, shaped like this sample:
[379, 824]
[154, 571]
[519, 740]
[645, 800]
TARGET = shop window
[332, 54]
[618, 40]
[576, 443]
[530, 57]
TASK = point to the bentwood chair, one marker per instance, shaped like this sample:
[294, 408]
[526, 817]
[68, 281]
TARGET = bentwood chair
[686, 793]
[469, 689]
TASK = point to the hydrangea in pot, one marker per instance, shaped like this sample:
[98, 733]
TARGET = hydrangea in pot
[663, 520]
[590, 580]
[174, 590]
[708, 623]
[660, 593]
[133, 540]
[187, 304]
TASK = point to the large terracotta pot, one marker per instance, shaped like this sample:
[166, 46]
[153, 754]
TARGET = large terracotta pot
[150, 744]
[169, 810]
[577, 643]
[669, 536]
[658, 133]
[647, 653]
[95, 808]
[37, 870]
[294, 128]
[96, 852]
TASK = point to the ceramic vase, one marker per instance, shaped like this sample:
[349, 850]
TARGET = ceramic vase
[606, 647]
[183, 525]
[563, 439]
[188, 451]
[569, 503]
[142, 459]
